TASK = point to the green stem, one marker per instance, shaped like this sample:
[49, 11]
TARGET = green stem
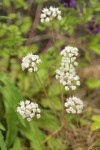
[42, 85]
[52, 106]
[62, 98]
[62, 117]
[78, 127]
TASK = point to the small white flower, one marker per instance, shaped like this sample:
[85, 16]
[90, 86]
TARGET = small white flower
[66, 88]
[30, 69]
[43, 15]
[27, 102]
[35, 69]
[50, 13]
[74, 105]
[32, 115]
[30, 62]
[73, 87]
[64, 82]
[28, 110]
[38, 116]
[76, 77]
[58, 12]
[42, 20]
[69, 82]
[28, 119]
[78, 83]
[45, 10]
[38, 110]
[76, 63]
[47, 19]
[59, 17]
[21, 103]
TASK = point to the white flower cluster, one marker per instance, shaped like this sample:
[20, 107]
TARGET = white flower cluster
[74, 105]
[50, 13]
[30, 62]
[66, 74]
[28, 110]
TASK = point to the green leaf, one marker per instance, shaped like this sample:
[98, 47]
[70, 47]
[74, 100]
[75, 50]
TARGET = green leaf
[54, 89]
[55, 101]
[48, 121]
[96, 123]
[43, 74]
[95, 126]
[93, 83]
[17, 145]
[34, 131]
[35, 135]
[2, 127]
[12, 127]
[2, 143]
[11, 99]
[94, 43]
[4, 17]
[56, 144]
[26, 24]
[96, 118]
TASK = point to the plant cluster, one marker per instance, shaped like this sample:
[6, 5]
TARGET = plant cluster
[66, 74]
[47, 50]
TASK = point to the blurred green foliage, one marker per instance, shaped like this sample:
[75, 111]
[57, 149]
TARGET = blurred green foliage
[2, 143]
[93, 83]
[16, 20]
[96, 122]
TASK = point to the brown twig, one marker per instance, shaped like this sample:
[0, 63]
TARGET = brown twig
[35, 23]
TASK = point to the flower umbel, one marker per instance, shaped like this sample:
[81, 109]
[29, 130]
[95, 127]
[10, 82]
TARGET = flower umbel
[50, 13]
[30, 62]
[74, 105]
[66, 74]
[29, 110]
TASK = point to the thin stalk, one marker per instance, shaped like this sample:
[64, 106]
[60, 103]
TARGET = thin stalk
[78, 127]
[77, 121]
[52, 134]
[62, 117]
[42, 85]
[92, 146]
[52, 106]
[62, 98]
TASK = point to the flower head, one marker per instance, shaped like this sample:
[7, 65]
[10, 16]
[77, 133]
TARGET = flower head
[68, 3]
[66, 74]
[74, 105]
[28, 110]
[30, 62]
[50, 13]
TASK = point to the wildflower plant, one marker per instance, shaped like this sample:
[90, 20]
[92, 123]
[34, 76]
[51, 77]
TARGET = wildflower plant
[20, 33]
[66, 74]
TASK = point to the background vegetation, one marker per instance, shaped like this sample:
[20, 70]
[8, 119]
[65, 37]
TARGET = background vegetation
[20, 33]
